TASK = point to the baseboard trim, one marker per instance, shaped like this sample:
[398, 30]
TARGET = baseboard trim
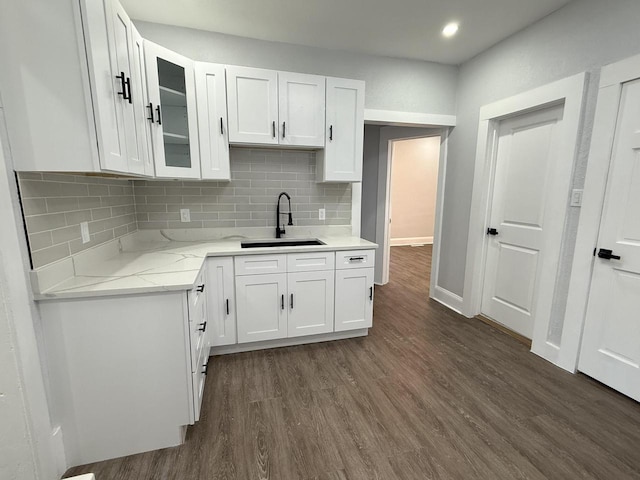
[287, 342]
[404, 242]
[447, 298]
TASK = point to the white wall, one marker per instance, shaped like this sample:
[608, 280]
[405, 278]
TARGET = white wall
[392, 83]
[27, 450]
[414, 184]
[583, 36]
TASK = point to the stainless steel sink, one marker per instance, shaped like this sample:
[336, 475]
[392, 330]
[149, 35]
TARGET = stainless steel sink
[281, 242]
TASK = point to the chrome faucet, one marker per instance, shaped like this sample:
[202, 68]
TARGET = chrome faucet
[280, 231]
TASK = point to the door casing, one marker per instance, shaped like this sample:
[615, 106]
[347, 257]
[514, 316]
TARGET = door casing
[570, 92]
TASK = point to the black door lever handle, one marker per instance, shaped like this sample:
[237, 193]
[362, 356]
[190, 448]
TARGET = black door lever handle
[607, 254]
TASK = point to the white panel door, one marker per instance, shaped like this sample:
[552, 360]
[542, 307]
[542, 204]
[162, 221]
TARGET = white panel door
[252, 96]
[354, 299]
[221, 301]
[311, 296]
[143, 111]
[301, 100]
[611, 341]
[171, 90]
[261, 307]
[526, 157]
[211, 95]
[342, 159]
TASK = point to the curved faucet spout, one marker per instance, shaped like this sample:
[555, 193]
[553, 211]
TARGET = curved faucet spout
[281, 231]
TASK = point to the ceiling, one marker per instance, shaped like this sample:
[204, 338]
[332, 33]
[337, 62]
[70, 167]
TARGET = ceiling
[397, 28]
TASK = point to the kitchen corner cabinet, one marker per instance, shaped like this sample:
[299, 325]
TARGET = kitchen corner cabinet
[252, 100]
[341, 159]
[221, 301]
[172, 112]
[211, 96]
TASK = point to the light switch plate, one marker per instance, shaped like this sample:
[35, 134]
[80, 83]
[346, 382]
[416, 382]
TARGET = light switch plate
[84, 230]
[576, 197]
[185, 215]
[322, 214]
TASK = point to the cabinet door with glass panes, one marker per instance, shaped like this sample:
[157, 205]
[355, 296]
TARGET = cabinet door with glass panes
[172, 101]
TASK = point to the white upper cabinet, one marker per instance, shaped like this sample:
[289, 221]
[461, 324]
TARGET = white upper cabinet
[301, 101]
[142, 108]
[252, 100]
[341, 160]
[211, 96]
[171, 90]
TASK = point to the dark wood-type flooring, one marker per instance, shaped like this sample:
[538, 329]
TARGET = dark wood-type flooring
[427, 395]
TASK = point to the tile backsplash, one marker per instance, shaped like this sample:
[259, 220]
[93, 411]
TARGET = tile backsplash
[249, 199]
[55, 204]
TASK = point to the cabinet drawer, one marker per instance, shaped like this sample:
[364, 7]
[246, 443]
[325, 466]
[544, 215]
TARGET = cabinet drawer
[198, 326]
[199, 378]
[197, 294]
[309, 262]
[355, 259]
[259, 264]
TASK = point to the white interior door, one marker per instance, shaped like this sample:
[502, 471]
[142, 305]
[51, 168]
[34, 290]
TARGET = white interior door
[526, 157]
[611, 340]
[311, 297]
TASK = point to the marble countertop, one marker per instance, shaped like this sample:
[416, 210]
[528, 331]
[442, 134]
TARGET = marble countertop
[154, 264]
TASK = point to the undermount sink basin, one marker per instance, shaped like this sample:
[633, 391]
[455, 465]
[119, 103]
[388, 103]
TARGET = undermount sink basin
[281, 242]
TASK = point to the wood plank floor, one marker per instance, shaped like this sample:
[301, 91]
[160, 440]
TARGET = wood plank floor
[427, 395]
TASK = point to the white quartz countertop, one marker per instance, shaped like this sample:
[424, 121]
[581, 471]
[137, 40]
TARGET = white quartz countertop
[155, 265]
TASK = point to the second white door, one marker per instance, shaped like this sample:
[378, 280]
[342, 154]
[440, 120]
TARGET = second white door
[522, 225]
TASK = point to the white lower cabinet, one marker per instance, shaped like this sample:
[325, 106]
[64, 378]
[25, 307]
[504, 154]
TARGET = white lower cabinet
[260, 307]
[354, 299]
[310, 303]
[221, 302]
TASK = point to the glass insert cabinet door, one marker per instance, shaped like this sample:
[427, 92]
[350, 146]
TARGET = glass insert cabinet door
[172, 112]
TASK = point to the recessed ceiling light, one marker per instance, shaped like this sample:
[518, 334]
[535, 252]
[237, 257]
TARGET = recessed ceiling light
[450, 29]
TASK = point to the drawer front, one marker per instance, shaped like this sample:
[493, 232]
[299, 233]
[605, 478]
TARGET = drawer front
[197, 293]
[198, 326]
[312, 261]
[199, 378]
[355, 259]
[260, 264]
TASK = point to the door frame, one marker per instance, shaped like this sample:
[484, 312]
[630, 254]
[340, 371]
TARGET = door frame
[612, 78]
[570, 92]
[386, 149]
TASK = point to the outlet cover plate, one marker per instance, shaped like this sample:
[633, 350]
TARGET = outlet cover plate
[185, 215]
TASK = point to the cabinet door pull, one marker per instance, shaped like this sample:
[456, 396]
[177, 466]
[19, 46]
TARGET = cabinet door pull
[292, 301]
[221, 127]
[159, 115]
[227, 306]
[370, 293]
[128, 84]
[284, 127]
[150, 107]
[123, 85]
[206, 367]
[356, 259]
[331, 132]
[200, 288]
[203, 327]
[273, 129]
[282, 302]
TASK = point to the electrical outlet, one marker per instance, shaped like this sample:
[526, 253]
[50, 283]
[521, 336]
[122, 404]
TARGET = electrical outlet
[576, 197]
[185, 215]
[322, 214]
[84, 230]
